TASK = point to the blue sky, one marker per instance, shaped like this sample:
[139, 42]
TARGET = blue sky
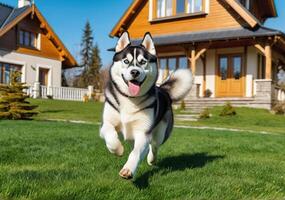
[68, 17]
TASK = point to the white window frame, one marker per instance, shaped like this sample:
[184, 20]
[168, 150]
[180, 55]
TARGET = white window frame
[193, 2]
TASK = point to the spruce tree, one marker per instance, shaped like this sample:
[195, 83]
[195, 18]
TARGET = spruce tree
[93, 74]
[86, 46]
[91, 62]
[13, 104]
[86, 55]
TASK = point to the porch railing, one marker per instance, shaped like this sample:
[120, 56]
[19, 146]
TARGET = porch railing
[62, 93]
[279, 93]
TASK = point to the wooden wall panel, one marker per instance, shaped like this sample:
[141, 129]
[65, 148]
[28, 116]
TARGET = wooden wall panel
[9, 40]
[219, 17]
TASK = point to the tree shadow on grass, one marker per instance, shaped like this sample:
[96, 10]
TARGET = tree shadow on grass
[176, 163]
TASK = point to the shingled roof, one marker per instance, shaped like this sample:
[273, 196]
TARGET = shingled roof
[209, 36]
[8, 14]
[205, 36]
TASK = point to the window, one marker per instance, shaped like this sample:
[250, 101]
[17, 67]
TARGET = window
[194, 6]
[183, 63]
[237, 67]
[169, 64]
[164, 8]
[224, 68]
[6, 71]
[180, 6]
[28, 39]
[173, 63]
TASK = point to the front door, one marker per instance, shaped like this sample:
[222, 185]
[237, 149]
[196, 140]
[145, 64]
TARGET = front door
[230, 76]
[43, 76]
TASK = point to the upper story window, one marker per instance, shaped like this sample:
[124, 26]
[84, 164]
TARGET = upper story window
[28, 39]
[189, 6]
[167, 8]
[164, 8]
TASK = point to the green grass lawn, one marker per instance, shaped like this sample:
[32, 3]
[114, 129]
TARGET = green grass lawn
[246, 119]
[44, 160]
[65, 161]
[68, 110]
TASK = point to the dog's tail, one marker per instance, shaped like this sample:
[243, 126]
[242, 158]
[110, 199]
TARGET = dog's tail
[179, 84]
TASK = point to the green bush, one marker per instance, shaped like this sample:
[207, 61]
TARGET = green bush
[228, 110]
[13, 104]
[208, 93]
[182, 105]
[205, 114]
[279, 109]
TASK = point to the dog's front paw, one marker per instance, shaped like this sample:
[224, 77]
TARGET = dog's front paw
[119, 151]
[126, 173]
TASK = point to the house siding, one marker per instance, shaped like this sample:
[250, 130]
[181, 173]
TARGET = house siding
[30, 65]
[218, 15]
[8, 41]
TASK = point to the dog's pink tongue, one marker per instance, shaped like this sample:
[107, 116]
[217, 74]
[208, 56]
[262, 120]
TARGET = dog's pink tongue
[134, 89]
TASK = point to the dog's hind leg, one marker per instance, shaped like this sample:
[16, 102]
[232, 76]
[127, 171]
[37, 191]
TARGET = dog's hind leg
[108, 131]
[159, 136]
[139, 152]
[157, 139]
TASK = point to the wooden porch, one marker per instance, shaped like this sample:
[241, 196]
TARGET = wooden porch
[198, 51]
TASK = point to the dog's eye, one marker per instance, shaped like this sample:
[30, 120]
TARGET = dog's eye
[126, 62]
[142, 62]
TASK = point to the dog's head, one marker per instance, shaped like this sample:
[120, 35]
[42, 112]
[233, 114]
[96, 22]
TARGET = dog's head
[134, 71]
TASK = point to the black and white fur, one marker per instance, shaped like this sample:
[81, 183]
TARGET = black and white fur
[147, 117]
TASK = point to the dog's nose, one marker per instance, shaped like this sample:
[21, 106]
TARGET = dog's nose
[135, 73]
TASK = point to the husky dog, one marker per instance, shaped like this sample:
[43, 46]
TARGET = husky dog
[135, 106]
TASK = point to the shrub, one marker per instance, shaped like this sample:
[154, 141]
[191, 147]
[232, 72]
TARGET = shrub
[208, 93]
[13, 104]
[183, 105]
[85, 98]
[205, 114]
[279, 109]
[228, 110]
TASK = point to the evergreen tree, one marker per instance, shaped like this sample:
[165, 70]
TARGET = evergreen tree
[91, 62]
[13, 104]
[93, 74]
[86, 46]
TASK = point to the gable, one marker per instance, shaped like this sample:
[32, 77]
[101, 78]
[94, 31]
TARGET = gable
[30, 18]
[220, 16]
[231, 9]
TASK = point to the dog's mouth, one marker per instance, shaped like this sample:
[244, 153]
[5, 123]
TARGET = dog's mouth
[134, 86]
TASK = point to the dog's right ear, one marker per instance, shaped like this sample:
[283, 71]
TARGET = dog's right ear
[123, 42]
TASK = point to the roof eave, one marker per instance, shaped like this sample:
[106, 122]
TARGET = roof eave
[125, 17]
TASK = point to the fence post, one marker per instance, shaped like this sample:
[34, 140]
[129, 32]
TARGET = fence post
[49, 91]
[36, 91]
[90, 91]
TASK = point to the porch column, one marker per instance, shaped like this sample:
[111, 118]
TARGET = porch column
[193, 61]
[268, 57]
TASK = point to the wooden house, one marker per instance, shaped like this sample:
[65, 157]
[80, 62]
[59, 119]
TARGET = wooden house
[29, 44]
[233, 56]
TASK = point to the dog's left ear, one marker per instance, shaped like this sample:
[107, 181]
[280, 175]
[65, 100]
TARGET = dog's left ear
[149, 44]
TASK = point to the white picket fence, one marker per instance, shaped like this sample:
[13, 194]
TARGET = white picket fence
[59, 93]
[64, 93]
[279, 94]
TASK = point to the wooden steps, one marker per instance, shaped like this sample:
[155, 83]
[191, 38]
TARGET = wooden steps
[197, 105]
